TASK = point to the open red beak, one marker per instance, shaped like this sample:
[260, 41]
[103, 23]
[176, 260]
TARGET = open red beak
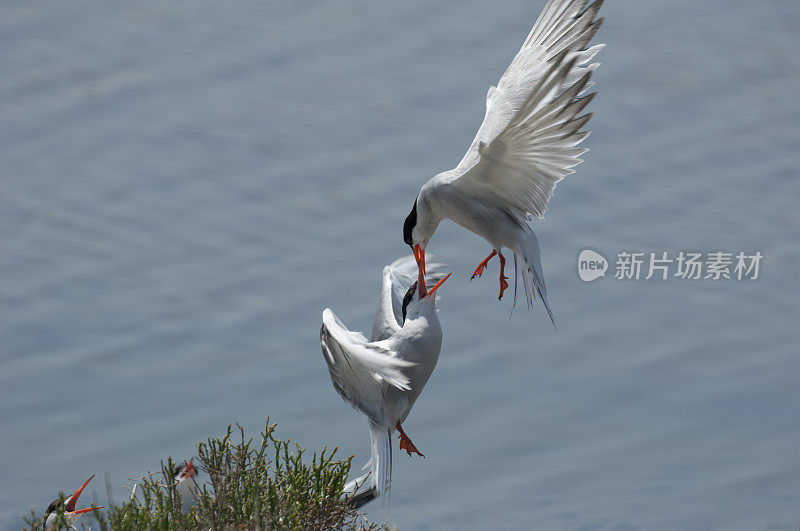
[438, 284]
[190, 469]
[87, 510]
[73, 500]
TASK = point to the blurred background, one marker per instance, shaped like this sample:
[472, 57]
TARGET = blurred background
[185, 186]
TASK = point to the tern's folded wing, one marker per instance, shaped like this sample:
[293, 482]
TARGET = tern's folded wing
[359, 368]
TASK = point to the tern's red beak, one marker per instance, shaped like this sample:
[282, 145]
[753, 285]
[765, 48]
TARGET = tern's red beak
[419, 256]
[438, 284]
[73, 500]
[87, 510]
[190, 469]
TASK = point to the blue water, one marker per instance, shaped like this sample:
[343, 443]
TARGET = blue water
[184, 187]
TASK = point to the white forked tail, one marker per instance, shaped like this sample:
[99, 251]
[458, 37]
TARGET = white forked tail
[381, 445]
[352, 486]
[530, 271]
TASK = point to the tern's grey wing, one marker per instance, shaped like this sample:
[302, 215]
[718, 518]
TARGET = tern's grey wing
[358, 368]
[527, 141]
[396, 279]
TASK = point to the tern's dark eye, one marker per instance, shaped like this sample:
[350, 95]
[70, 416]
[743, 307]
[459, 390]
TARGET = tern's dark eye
[410, 223]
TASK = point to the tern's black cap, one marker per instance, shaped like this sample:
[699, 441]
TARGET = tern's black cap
[410, 223]
[53, 507]
[408, 297]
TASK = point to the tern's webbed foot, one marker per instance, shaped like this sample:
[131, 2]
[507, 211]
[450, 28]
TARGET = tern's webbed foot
[503, 287]
[503, 277]
[405, 442]
[479, 270]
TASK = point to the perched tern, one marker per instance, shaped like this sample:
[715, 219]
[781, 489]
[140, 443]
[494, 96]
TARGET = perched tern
[183, 475]
[68, 507]
[383, 377]
[526, 144]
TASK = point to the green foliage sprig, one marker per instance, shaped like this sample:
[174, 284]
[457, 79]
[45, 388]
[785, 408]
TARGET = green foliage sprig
[253, 485]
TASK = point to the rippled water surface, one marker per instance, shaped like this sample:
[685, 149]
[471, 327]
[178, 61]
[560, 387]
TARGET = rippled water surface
[184, 186]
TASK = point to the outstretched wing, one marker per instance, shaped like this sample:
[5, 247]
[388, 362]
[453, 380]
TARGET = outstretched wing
[396, 280]
[358, 368]
[529, 136]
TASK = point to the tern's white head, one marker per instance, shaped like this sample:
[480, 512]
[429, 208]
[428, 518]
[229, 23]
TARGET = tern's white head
[68, 507]
[418, 229]
[184, 471]
[419, 299]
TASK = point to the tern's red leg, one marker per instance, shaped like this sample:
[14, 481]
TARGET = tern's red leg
[503, 283]
[479, 270]
[405, 442]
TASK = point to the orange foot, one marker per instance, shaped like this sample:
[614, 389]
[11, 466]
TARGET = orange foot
[479, 270]
[503, 283]
[405, 442]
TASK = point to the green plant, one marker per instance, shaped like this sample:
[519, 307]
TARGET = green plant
[265, 485]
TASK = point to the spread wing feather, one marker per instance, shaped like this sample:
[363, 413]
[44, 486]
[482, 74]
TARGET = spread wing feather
[529, 138]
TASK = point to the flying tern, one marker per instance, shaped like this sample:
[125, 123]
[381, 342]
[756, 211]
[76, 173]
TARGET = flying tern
[67, 506]
[527, 143]
[382, 377]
